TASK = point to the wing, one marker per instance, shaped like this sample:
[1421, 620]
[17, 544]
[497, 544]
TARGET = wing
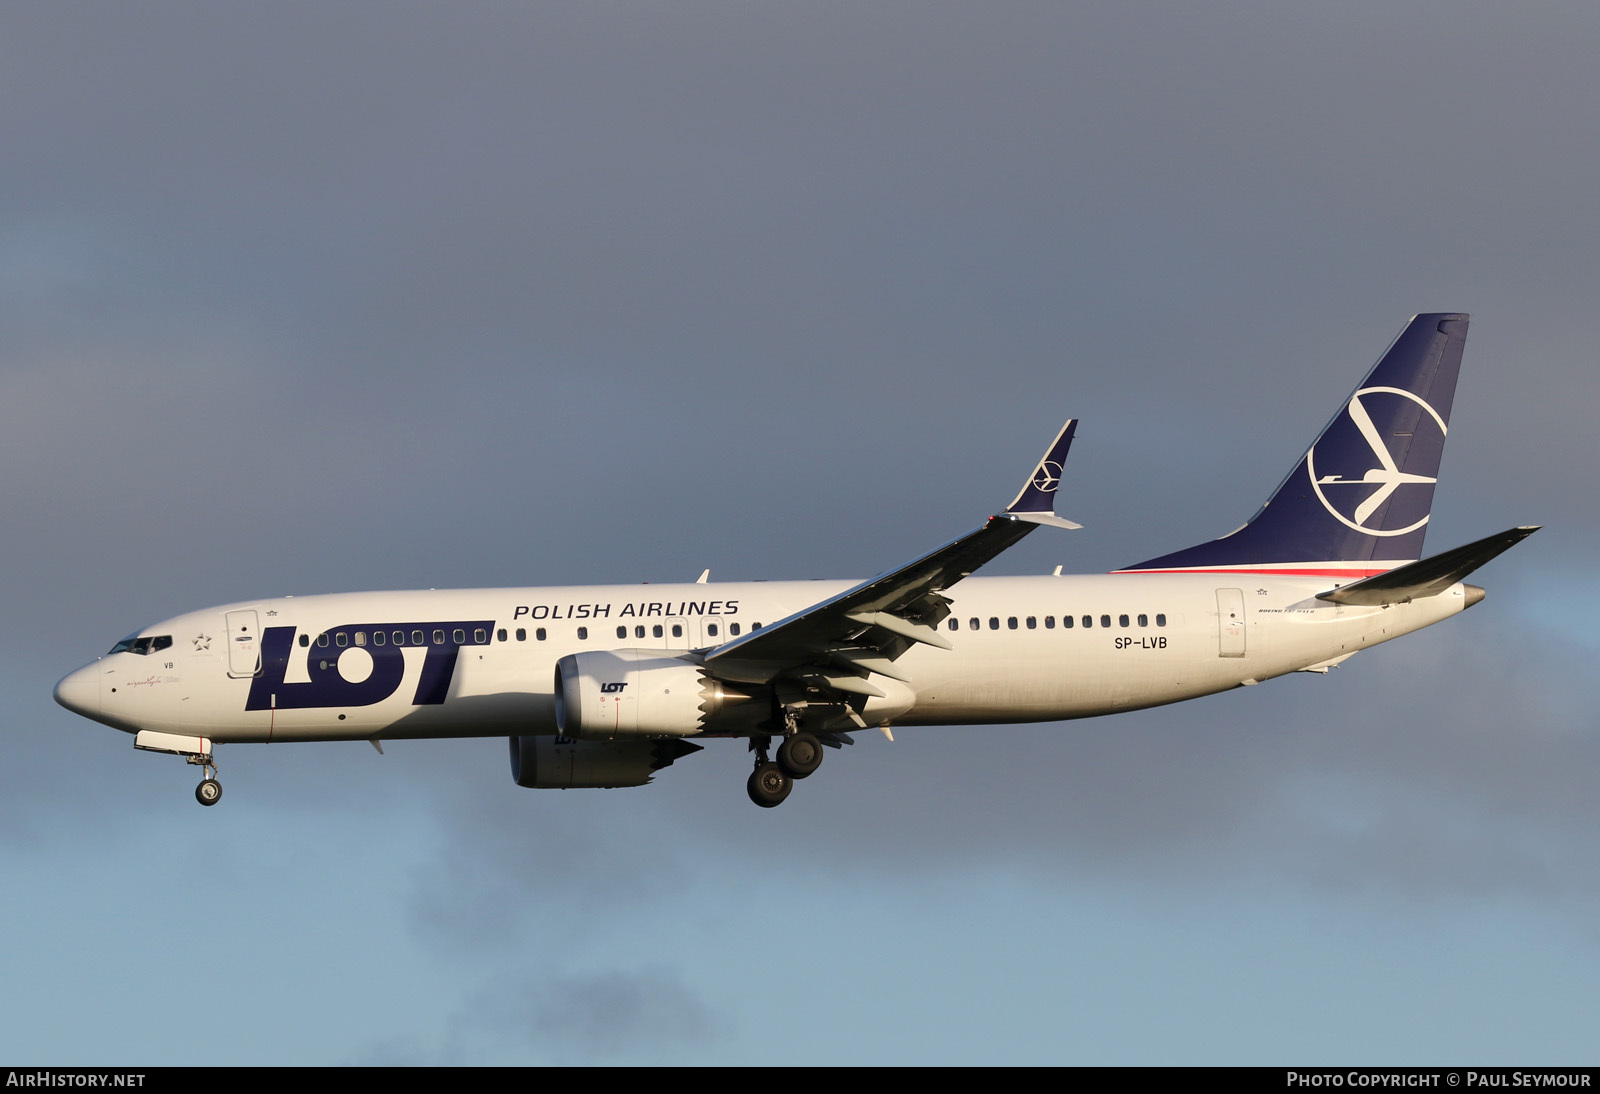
[839, 643]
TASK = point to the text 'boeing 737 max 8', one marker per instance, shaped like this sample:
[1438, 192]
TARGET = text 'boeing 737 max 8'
[603, 686]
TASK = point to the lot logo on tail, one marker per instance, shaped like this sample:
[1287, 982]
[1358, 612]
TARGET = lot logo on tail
[1363, 467]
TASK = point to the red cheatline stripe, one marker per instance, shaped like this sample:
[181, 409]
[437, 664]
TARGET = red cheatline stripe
[1285, 572]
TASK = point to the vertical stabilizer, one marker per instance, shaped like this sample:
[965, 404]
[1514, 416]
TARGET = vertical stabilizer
[1361, 494]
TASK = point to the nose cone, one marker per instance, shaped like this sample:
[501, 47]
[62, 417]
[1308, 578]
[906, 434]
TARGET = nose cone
[79, 692]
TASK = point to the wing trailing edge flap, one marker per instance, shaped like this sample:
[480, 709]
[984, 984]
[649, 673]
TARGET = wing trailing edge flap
[1430, 576]
[840, 643]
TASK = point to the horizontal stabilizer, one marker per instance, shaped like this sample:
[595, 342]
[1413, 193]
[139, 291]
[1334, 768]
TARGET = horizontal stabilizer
[1429, 577]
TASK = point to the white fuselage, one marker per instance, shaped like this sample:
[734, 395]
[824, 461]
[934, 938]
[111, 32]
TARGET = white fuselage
[472, 663]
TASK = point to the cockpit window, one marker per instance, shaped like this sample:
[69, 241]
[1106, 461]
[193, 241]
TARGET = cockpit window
[142, 645]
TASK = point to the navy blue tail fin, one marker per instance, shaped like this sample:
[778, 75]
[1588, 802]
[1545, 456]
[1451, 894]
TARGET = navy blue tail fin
[1362, 492]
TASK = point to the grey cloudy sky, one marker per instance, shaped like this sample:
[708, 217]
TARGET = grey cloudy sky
[309, 297]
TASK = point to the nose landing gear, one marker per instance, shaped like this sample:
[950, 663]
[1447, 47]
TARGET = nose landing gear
[209, 792]
[194, 750]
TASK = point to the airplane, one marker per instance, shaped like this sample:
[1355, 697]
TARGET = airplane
[604, 686]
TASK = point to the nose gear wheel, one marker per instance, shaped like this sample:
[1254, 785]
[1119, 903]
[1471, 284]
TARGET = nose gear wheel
[209, 792]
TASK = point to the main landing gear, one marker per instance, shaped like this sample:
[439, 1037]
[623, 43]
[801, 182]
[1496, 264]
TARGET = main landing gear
[799, 755]
[768, 785]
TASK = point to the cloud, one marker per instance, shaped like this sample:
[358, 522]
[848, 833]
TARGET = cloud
[534, 1014]
[597, 1016]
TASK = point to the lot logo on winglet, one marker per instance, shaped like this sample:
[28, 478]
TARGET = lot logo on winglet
[1048, 477]
[1359, 477]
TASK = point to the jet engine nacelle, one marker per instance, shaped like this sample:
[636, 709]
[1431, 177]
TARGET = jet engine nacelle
[565, 764]
[607, 695]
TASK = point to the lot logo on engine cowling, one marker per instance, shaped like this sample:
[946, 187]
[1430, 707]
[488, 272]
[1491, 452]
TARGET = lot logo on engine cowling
[365, 670]
[613, 687]
[1363, 484]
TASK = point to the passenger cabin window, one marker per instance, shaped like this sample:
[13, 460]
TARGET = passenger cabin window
[416, 638]
[522, 634]
[733, 629]
[400, 637]
[361, 638]
[322, 640]
[994, 622]
[341, 639]
[501, 634]
[583, 633]
[478, 635]
[305, 640]
[1161, 620]
[460, 636]
[1050, 622]
[622, 632]
[1088, 621]
[638, 632]
[974, 623]
[378, 638]
[955, 624]
[438, 638]
[1033, 624]
[539, 633]
[677, 630]
[1066, 622]
[711, 629]
[1144, 620]
[1011, 622]
[1122, 621]
[655, 631]
[1105, 621]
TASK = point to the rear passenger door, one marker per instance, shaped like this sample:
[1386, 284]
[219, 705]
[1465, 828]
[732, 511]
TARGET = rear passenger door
[1230, 623]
